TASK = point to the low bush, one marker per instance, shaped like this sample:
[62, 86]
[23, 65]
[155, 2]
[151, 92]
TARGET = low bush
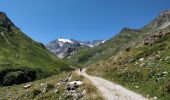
[10, 76]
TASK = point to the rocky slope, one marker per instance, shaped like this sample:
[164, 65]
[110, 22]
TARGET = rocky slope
[66, 47]
[23, 59]
[161, 22]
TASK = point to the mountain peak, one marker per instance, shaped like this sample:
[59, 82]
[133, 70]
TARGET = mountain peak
[160, 22]
[5, 21]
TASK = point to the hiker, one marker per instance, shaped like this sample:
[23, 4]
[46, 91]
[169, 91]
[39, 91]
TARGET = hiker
[80, 69]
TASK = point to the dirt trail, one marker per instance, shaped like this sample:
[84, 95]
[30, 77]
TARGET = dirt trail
[111, 91]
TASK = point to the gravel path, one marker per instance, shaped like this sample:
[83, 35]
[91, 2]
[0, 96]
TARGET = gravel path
[111, 91]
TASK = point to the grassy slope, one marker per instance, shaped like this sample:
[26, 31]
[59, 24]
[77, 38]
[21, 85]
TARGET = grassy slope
[18, 51]
[124, 68]
[126, 38]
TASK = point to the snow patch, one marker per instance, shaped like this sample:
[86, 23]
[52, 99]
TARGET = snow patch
[82, 43]
[61, 44]
[65, 40]
[91, 46]
[103, 41]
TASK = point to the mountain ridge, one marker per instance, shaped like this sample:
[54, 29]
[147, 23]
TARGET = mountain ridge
[64, 48]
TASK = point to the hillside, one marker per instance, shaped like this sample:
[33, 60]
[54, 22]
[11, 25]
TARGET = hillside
[23, 59]
[124, 40]
[144, 68]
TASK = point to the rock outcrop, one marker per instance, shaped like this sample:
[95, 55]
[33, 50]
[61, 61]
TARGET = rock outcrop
[155, 36]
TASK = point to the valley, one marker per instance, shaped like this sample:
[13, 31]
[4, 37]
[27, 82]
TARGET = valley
[133, 60]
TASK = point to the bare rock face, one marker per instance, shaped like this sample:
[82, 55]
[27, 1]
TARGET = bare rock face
[155, 36]
[161, 22]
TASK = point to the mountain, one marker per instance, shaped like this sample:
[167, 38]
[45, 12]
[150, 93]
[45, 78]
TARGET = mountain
[23, 59]
[124, 40]
[67, 47]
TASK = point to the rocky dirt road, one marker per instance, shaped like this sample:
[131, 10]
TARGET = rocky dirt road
[111, 91]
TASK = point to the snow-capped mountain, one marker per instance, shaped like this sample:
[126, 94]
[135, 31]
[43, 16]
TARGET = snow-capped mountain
[66, 47]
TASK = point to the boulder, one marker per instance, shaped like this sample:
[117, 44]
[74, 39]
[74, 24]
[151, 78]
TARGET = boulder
[141, 59]
[70, 87]
[73, 85]
[78, 83]
[143, 65]
[26, 86]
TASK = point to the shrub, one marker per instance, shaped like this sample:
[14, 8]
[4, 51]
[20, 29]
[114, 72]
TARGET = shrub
[127, 49]
[10, 76]
[36, 92]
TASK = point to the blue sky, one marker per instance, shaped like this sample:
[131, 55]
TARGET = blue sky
[46, 20]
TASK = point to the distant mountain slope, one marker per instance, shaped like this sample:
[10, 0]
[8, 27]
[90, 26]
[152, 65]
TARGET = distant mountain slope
[66, 47]
[126, 39]
[21, 58]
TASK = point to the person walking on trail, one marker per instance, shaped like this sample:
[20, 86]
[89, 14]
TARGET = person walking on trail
[81, 71]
